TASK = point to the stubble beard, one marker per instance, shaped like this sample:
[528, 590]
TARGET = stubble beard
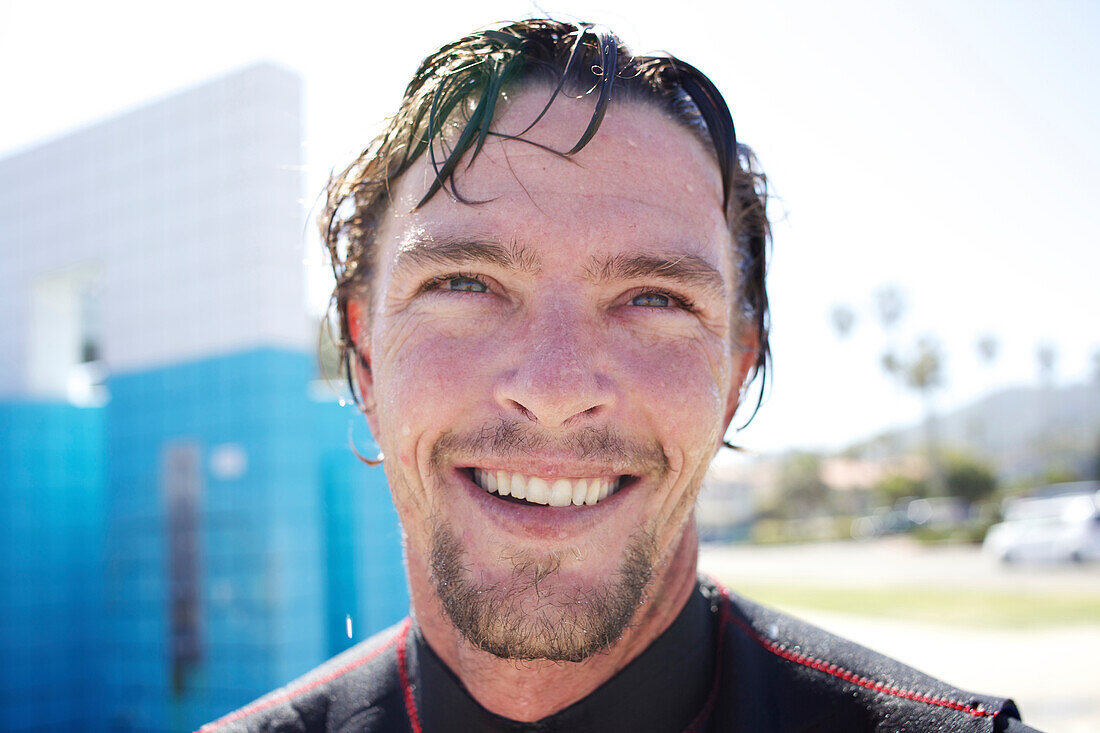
[535, 614]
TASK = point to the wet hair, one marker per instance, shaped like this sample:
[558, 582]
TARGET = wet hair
[447, 113]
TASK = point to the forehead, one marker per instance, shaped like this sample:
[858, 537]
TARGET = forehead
[644, 181]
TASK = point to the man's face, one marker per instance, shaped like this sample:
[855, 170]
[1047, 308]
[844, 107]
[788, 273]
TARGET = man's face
[571, 338]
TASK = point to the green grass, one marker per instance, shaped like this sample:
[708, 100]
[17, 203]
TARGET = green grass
[947, 606]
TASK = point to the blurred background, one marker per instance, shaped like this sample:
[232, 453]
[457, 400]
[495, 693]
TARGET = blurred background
[183, 526]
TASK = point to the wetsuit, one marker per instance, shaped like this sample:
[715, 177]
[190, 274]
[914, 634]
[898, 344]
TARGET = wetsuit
[725, 664]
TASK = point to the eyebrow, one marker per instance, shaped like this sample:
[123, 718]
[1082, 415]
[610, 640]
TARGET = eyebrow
[685, 269]
[460, 251]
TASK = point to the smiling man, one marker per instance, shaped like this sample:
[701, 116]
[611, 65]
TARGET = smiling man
[550, 274]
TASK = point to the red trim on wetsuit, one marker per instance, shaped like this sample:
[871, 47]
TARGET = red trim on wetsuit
[841, 673]
[406, 688]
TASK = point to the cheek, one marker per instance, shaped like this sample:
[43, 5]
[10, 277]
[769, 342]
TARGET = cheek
[425, 381]
[680, 384]
[681, 399]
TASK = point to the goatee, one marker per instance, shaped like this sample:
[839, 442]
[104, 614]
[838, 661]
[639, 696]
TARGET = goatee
[535, 614]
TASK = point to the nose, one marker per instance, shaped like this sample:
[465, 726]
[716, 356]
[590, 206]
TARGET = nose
[555, 377]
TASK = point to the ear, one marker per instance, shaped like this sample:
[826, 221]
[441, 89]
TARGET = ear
[359, 332]
[743, 356]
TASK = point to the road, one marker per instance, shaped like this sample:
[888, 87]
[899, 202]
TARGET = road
[1050, 672]
[895, 561]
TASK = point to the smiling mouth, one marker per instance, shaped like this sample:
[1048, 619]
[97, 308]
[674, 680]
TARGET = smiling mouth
[547, 492]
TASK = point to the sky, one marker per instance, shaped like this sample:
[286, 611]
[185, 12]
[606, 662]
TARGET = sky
[946, 148]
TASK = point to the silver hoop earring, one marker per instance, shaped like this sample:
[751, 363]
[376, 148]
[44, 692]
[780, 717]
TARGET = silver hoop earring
[372, 462]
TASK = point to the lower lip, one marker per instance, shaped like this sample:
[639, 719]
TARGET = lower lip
[539, 520]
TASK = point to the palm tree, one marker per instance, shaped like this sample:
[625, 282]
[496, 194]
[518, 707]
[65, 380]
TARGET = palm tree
[988, 348]
[843, 319]
[1046, 356]
[922, 371]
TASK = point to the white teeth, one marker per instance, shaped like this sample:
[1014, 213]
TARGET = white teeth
[538, 490]
[580, 490]
[561, 493]
[592, 495]
[518, 486]
[554, 492]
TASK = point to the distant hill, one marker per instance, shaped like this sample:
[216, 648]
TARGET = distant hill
[1023, 431]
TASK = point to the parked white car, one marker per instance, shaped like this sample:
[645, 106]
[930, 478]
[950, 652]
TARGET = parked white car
[1052, 529]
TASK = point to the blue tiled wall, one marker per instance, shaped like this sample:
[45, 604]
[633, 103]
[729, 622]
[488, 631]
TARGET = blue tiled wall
[289, 548]
[296, 540]
[51, 476]
[362, 535]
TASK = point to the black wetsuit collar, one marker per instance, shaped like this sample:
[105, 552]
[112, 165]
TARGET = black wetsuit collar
[664, 689]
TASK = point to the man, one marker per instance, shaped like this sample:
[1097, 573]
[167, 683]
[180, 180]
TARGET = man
[550, 274]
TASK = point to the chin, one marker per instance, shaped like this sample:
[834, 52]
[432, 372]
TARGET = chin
[535, 608]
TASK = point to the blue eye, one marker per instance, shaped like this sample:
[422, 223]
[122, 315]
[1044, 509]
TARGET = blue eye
[650, 300]
[466, 284]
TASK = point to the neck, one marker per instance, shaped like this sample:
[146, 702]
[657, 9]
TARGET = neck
[531, 690]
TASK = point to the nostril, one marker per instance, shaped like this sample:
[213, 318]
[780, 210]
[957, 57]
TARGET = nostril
[524, 411]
